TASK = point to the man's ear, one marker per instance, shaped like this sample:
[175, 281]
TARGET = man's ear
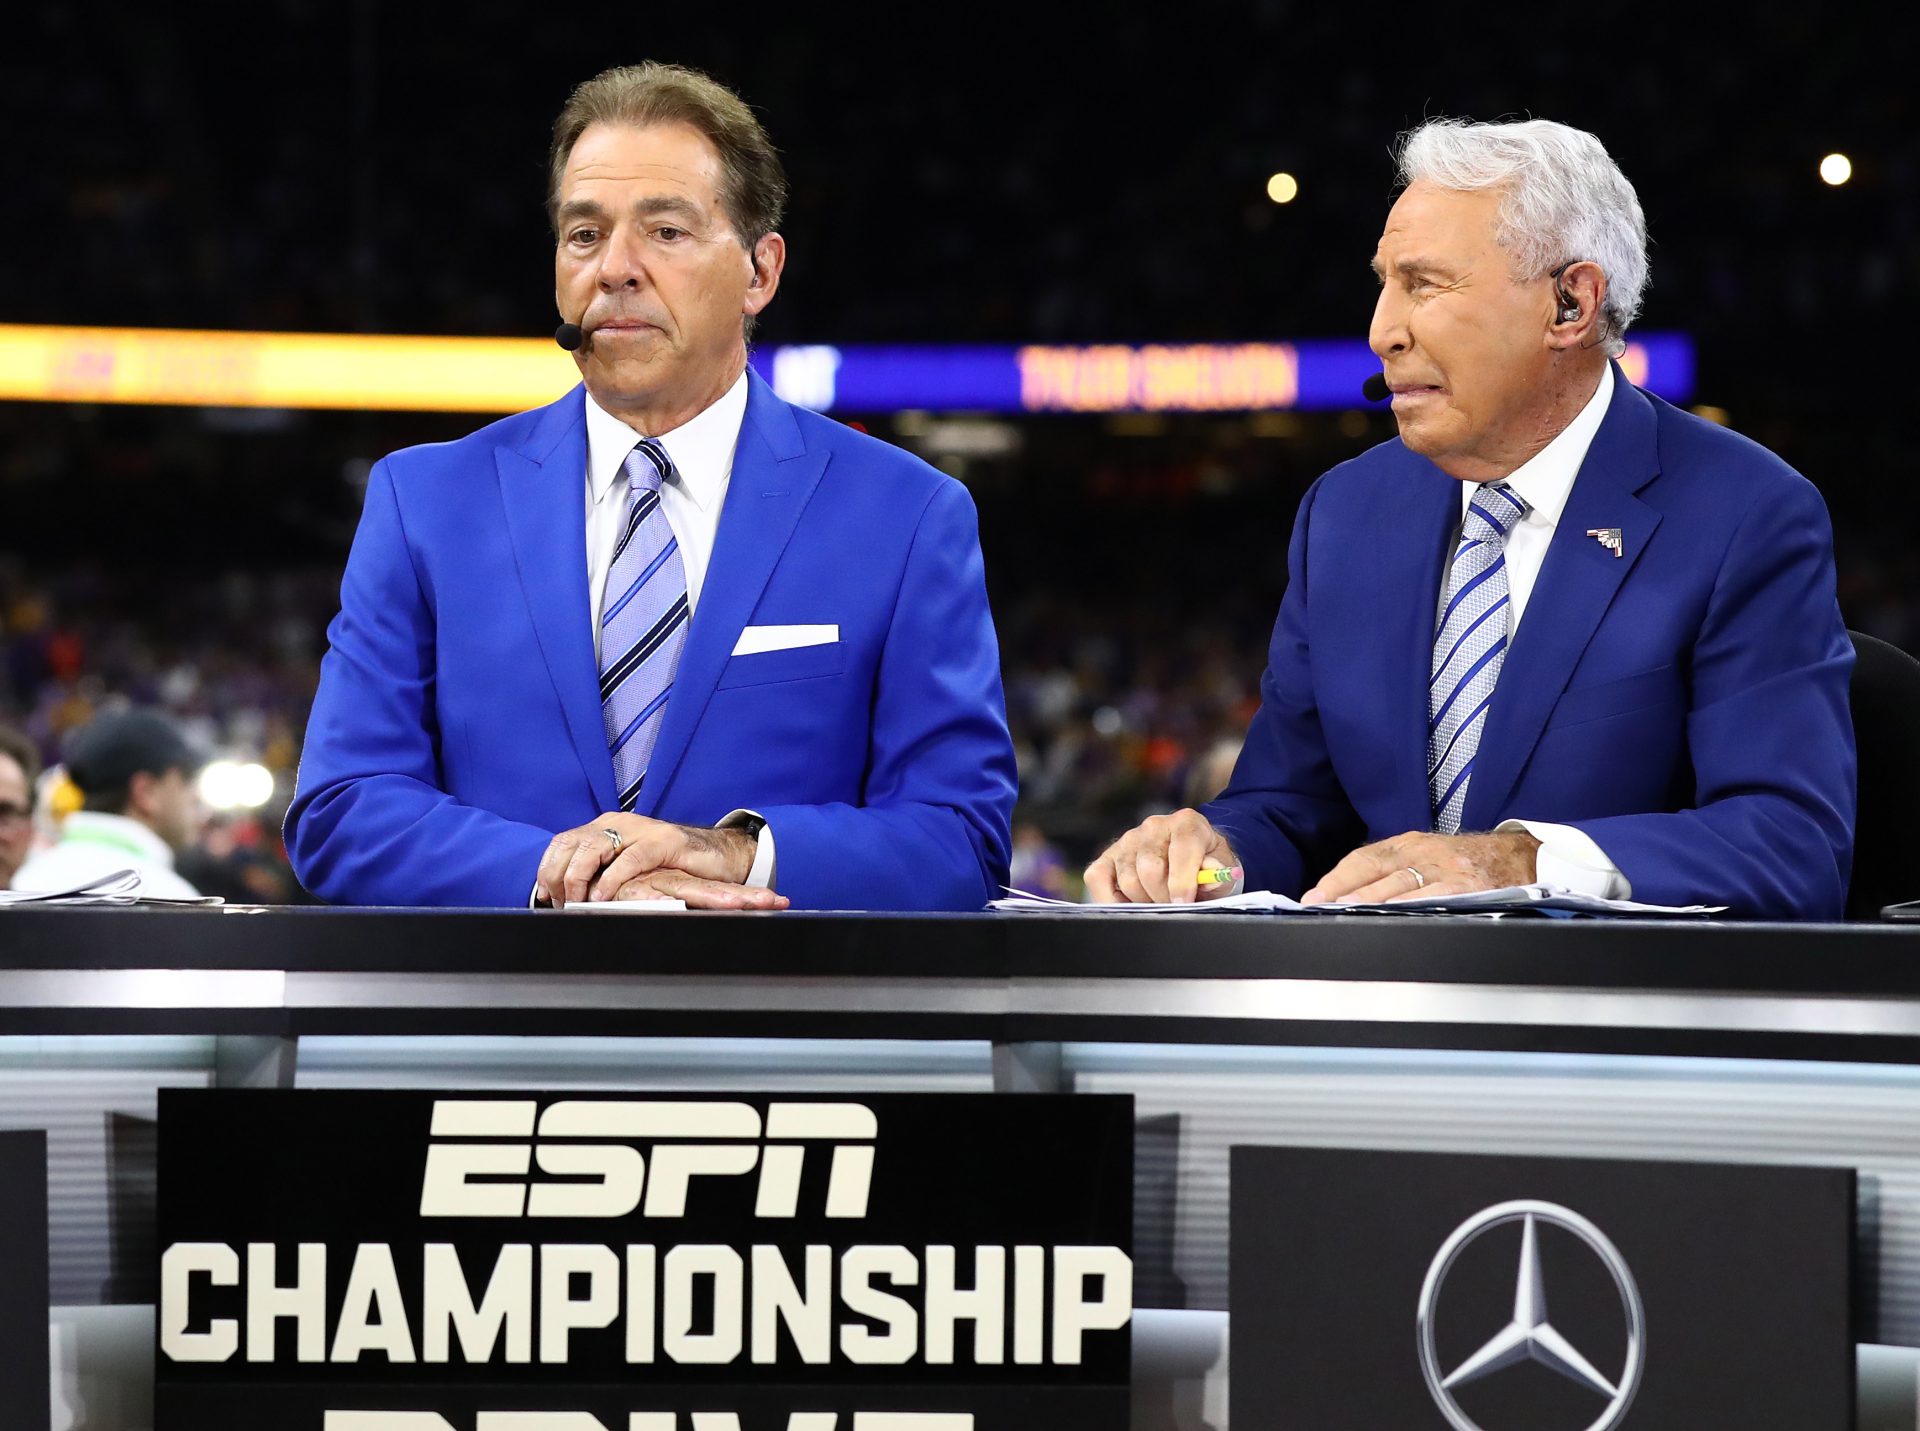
[140, 791]
[766, 260]
[1578, 294]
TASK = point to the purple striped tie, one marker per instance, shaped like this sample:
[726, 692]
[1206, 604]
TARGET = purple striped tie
[1468, 649]
[643, 624]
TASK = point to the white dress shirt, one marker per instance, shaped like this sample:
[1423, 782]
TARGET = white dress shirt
[92, 844]
[1567, 857]
[702, 451]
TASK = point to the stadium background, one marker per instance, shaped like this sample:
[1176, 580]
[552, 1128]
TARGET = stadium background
[377, 169]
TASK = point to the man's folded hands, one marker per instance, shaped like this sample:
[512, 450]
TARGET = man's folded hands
[620, 856]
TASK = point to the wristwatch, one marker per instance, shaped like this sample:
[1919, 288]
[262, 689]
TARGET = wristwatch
[747, 824]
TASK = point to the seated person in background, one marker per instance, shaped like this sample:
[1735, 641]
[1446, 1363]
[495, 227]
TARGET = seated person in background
[670, 635]
[19, 768]
[1558, 631]
[136, 771]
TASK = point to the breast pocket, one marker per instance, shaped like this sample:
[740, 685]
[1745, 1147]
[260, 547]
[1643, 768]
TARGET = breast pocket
[1582, 705]
[797, 663]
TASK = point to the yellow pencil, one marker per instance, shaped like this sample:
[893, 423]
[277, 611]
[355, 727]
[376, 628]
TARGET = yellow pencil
[1217, 876]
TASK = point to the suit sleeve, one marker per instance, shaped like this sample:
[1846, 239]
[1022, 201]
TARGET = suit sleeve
[1771, 733]
[933, 830]
[369, 823]
[1284, 809]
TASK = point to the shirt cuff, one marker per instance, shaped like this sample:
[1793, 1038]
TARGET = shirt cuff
[762, 874]
[1569, 859]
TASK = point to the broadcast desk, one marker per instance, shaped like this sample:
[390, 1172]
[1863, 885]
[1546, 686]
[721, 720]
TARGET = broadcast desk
[1741, 1042]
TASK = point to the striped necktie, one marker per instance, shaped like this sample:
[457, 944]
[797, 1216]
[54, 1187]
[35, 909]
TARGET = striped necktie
[643, 623]
[1468, 648]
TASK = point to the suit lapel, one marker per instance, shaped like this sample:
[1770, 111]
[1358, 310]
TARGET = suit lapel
[1417, 538]
[774, 476]
[541, 487]
[1576, 585]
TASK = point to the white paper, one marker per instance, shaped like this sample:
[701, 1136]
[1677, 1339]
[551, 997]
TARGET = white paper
[755, 639]
[1541, 896]
[1491, 901]
[116, 887]
[1251, 901]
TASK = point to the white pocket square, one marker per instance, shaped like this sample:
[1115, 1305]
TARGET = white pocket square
[754, 639]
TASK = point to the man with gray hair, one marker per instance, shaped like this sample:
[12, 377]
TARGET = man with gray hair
[1606, 656]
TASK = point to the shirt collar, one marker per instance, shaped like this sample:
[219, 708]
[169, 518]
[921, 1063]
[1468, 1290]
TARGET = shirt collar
[701, 448]
[1545, 480]
[121, 832]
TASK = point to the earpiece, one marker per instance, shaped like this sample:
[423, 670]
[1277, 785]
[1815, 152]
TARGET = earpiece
[1570, 309]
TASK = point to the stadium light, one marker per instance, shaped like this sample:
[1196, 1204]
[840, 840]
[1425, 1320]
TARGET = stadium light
[1836, 169]
[199, 368]
[1283, 188]
[233, 785]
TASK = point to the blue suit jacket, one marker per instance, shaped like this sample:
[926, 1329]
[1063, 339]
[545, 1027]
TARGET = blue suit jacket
[457, 726]
[1685, 703]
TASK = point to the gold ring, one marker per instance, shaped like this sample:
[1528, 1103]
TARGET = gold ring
[614, 835]
[1419, 880]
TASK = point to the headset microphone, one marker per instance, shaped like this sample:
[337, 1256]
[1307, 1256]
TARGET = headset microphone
[1374, 389]
[569, 336]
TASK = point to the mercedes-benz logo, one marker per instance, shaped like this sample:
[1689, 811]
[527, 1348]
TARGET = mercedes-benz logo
[1530, 1336]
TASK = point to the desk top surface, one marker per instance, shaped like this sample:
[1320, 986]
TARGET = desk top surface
[1705, 955]
[1826, 992]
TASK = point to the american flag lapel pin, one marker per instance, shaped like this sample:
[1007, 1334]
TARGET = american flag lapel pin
[1609, 537]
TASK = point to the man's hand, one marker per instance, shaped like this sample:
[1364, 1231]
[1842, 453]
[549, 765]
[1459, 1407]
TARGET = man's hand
[588, 863]
[1155, 862]
[1448, 864]
[698, 893]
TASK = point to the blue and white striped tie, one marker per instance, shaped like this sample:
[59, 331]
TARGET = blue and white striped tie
[1468, 649]
[643, 623]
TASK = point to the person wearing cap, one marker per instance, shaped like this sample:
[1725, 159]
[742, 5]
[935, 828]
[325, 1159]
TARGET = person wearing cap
[19, 768]
[136, 771]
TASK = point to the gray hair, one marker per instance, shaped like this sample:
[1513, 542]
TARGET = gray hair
[1564, 200]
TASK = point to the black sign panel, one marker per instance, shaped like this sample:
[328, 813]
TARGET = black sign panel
[1418, 1290]
[23, 1279]
[342, 1261]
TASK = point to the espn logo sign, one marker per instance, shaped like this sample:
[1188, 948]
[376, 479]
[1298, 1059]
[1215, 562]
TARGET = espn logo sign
[596, 1144]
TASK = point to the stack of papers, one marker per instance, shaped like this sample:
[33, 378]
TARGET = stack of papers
[1519, 899]
[119, 887]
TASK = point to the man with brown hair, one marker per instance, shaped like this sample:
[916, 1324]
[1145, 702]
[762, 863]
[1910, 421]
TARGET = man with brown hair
[669, 636]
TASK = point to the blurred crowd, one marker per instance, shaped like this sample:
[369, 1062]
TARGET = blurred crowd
[232, 657]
